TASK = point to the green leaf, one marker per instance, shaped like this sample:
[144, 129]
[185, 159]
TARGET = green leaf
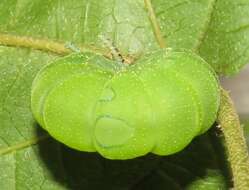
[21, 166]
[212, 181]
[218, 30]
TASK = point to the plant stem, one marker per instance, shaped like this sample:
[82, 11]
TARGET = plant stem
[235, 143]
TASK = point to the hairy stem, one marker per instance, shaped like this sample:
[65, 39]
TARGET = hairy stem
[235, 143]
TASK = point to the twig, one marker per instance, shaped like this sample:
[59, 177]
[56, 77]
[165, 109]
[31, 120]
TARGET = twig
[235, 143]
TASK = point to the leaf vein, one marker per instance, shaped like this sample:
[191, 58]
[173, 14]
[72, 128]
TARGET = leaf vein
[204, 30]
[23, 144]
[155, 25]
[46, 45]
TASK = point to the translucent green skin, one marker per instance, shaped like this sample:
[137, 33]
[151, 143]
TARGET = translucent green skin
[157, 105]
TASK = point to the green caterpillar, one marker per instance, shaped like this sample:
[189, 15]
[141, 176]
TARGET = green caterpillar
[159, 104]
